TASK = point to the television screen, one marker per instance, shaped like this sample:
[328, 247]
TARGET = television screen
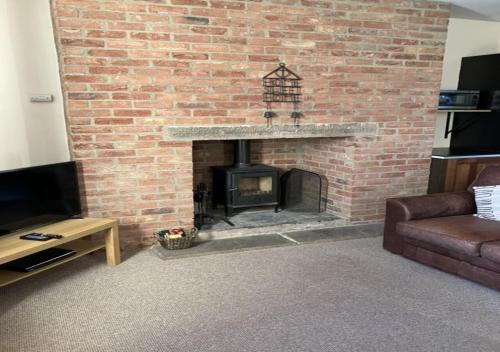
[38, 195]
[477, 133]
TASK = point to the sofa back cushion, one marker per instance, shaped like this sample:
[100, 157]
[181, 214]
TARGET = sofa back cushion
[490, 176]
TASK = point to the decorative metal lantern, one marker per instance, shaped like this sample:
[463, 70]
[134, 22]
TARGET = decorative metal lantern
[282, 86]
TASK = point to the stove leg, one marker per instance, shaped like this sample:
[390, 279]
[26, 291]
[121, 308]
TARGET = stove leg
[228, 211]
[277, 209]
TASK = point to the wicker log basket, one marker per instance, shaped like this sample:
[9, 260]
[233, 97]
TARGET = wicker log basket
[176, 238]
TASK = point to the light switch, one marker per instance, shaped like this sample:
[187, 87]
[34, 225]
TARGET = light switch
[42, 98]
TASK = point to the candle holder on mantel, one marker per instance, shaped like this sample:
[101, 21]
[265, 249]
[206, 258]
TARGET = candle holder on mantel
[282, 86]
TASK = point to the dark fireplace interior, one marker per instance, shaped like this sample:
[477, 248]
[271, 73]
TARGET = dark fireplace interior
[243, 184]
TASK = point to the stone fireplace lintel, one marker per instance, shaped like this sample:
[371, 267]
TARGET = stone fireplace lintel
[354, 129]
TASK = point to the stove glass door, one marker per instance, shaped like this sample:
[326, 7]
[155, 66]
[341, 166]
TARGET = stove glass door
[254, 189]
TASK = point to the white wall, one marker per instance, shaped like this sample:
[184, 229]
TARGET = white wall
[465, 38]
[27, 38]
[13, 140]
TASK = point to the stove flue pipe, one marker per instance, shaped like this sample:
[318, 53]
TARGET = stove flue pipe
[241, 153]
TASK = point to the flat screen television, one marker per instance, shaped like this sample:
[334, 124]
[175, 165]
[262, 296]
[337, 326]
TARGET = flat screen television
[38, 195]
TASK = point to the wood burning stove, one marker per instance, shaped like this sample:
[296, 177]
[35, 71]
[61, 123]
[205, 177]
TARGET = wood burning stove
[243, 185]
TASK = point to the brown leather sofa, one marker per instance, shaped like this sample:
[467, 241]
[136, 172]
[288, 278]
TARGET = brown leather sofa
[440, 230]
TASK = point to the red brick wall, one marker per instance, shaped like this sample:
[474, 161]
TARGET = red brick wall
[130, 68]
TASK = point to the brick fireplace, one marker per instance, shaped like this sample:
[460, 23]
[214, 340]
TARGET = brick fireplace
[139, 77]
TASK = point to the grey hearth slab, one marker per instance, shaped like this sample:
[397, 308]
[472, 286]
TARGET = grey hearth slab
[236, 244]
[223, 245]
[248, 219]
[337, 233]
[225, 132]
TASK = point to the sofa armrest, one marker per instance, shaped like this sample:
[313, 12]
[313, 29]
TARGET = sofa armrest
[422, 207]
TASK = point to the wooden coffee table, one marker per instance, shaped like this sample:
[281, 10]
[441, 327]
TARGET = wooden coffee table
[73, 232]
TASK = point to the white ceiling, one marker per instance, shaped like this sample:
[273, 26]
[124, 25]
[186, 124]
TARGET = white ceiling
[475, 9]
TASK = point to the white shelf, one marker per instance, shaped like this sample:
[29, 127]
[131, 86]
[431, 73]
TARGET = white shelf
[463, 110]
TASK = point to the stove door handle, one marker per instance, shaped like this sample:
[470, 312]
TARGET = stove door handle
[232, 189]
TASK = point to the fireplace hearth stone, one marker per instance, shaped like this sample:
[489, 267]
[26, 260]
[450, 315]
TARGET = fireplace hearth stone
[265, 217]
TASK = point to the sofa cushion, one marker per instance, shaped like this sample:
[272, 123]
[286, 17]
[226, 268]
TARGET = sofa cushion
[487, 202]
[491, 251]
[464, 233]
[490, 176]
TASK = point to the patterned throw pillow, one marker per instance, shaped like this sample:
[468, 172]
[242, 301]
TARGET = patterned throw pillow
[487, 202]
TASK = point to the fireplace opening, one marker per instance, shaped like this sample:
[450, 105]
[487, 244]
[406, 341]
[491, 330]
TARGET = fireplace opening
[239, 184]
[243, 184]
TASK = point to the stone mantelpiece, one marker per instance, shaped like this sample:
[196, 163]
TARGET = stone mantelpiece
[355, 129]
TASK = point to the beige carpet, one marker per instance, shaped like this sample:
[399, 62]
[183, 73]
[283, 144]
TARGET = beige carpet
[329, 296]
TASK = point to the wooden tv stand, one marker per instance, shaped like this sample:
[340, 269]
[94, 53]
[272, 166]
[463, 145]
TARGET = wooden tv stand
[73, 231]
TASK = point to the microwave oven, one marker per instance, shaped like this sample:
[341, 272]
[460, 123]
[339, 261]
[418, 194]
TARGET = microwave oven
[459, 99]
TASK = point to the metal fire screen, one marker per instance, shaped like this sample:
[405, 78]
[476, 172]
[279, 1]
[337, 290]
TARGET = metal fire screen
[303, 191]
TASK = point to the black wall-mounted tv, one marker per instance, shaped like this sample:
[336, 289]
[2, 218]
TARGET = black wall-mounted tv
[38, 195]
[477, 133]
